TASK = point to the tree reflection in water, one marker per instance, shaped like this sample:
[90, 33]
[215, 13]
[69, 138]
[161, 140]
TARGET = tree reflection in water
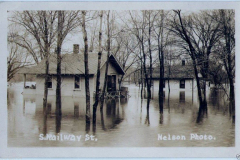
[120, 118]
[102, 121]
[182, 101]
[44, 123]
[147, 121]
[58, 123]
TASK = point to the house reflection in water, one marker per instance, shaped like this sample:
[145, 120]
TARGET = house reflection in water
[122, 121]
[182, 101]
[76, 109]
[73, 114]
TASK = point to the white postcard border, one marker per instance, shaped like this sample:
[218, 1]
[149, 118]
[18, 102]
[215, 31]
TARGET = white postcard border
[113, 151]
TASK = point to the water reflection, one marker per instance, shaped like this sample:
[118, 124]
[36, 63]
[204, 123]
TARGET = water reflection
[161, 119]
[102, 121]
[147, 121]
[123, 122]
[76, 109]
[49, 108]
[182, 101]
[58, 123]
[44, 124]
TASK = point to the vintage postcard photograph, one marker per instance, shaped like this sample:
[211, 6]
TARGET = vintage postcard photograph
[113, 78]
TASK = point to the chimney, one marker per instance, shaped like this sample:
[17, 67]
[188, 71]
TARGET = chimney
[75, 48]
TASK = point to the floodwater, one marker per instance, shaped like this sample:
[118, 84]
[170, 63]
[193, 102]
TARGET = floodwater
[123, 122]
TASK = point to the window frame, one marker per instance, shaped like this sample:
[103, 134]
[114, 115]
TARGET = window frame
[74, 82]
[182, 86]
[183, 62]
[50, 78]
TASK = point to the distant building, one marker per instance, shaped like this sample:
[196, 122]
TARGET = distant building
[73, 71]
[180, 77]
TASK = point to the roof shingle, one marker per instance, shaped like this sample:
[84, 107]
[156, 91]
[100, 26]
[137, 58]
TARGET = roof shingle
[70, 64]
[176, 72]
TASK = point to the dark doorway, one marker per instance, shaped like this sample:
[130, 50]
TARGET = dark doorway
[111, 83]
[182, 96]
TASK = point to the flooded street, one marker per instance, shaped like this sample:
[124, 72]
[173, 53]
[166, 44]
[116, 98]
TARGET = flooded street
[123, 122]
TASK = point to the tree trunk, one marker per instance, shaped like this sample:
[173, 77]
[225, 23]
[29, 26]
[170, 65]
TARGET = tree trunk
[146, 83]
[231, 83]
[120, 82]
[98, 70]
[193, 54]
[161, 60]
[232, 99]
[169, 72]
[58, 88]
[141, 72]
[86, 69]
[161, 96]
[229, 41]
[106, 71]
[46, 84]
[150, 56]
[46, 49]
[197, 80]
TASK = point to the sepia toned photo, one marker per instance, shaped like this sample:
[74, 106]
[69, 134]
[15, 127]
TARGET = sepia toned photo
[117, 79]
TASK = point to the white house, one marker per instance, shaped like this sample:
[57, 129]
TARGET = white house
[181, 80]
[72, 70]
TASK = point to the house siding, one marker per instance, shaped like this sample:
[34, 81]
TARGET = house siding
[111, 71]
[67, 86]
[68, 83]
[175, 84]
[189, 93]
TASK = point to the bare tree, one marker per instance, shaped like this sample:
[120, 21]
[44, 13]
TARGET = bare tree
[150, 26]
[17, 59]
[40, 25]
[98, 69]
[139, 30]
[198, 34]
[43, 31]
[67, 21]
[127, 53]
[22, 41]
[226, 49]
[108, 54]
[161, 35]
[59, 44]
[86, 67]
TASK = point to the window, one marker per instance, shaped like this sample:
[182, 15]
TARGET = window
[183, 62]
[49, 83]
[77, 82]
[182, 83]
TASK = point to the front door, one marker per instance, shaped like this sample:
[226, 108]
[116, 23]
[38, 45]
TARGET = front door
[111, 83]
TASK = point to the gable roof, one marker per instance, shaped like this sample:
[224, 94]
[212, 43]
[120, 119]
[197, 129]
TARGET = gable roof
[73, 64]
[176, 72]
